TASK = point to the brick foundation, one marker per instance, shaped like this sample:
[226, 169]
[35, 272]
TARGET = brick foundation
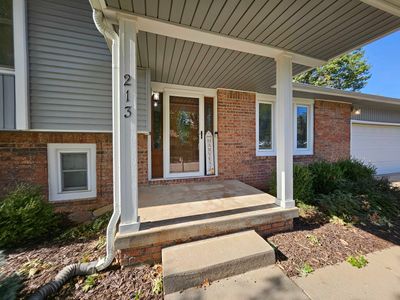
[23, 158]
[152, 253]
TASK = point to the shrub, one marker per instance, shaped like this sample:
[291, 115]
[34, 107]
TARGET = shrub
[356, 170]
[25, 217]
[341, 204]
[9, 285]
[302, 184]
[327, 177]
[87, 231]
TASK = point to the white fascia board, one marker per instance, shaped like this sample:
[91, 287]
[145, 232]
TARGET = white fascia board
[164, 87]
[374, 123]
[385, 6]
[335, 92]
[187, 33]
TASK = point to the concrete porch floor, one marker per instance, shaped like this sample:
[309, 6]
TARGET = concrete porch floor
[173, 214]
[158, 204]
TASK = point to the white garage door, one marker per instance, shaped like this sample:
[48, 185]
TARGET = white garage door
[376, 144]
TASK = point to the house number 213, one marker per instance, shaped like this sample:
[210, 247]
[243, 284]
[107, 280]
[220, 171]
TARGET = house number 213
[127, 82]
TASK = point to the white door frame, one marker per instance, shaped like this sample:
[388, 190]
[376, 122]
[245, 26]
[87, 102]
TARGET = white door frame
[166, 126]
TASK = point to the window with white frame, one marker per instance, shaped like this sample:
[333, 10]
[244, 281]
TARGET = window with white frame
[264, 128]
[6, 34]
[72, 171]
[303, 129]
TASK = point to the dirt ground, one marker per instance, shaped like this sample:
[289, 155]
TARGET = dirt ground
[115, 283]
[314, 241]
[319, 243]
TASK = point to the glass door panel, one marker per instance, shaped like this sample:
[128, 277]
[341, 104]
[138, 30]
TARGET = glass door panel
[184, 133]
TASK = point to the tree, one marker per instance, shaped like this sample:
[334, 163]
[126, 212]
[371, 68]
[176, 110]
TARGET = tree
[347, 72]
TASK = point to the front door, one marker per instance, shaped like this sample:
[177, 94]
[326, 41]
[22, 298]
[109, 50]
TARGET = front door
[184, 137]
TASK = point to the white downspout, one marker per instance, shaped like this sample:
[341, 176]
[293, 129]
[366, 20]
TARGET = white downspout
[80, 269]
[104, 29]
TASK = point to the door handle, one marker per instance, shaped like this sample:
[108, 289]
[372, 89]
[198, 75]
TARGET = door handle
[201, 134]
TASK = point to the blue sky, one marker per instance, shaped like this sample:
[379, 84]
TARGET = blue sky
[383, 55]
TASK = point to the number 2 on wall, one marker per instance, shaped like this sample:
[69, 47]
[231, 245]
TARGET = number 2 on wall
[127, 78]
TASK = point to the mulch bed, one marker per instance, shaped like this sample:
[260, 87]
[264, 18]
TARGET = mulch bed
[115, 283]
[314, 240]
[321, 243]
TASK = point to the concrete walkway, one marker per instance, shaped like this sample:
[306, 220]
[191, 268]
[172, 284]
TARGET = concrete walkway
[394, 178]
[380, 279]
[266, 283]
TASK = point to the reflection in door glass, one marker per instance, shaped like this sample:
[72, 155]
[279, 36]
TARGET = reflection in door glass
[184, 134]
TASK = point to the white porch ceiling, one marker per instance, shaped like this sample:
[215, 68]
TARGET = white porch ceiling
[321, 29]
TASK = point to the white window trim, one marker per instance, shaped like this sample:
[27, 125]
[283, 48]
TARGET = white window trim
[54, 171]
[20, 64]
[310, 129]
[309, 103]
[272, 151]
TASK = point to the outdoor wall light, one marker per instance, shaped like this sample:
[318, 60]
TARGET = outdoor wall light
[156, 96]
[356, 111]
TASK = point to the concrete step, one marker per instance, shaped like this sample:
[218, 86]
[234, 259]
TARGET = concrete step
[189, 265]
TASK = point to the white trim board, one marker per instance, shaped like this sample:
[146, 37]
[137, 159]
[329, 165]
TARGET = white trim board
[20, 64]
[385, 6]
[335, 92]
[7, 71]
[163, 87]
[374, 123]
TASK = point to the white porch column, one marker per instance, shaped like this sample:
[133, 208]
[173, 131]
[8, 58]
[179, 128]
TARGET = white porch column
[128, 127]
[284, 131]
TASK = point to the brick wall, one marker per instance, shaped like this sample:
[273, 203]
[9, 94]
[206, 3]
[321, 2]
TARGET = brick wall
[331, 130]
[23, 158]
[237, 137]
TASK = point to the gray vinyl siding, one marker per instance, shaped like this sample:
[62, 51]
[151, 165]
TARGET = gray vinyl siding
[70, 70]
[374, 113]
[7, 101]
[70, 67]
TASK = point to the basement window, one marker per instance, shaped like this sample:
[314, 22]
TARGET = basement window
[72, 171]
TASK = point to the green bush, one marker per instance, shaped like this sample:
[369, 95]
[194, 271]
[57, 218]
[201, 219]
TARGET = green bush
[25, 217]
[302, 184]
[347, 189]
[87, 231]
[356, 170]
[9, 285]
[327, 177]
[344, 205]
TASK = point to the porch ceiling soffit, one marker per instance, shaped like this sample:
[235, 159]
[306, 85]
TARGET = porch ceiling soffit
[315, 31]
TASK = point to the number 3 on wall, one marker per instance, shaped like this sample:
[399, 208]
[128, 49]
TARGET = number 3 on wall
[128, 111]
